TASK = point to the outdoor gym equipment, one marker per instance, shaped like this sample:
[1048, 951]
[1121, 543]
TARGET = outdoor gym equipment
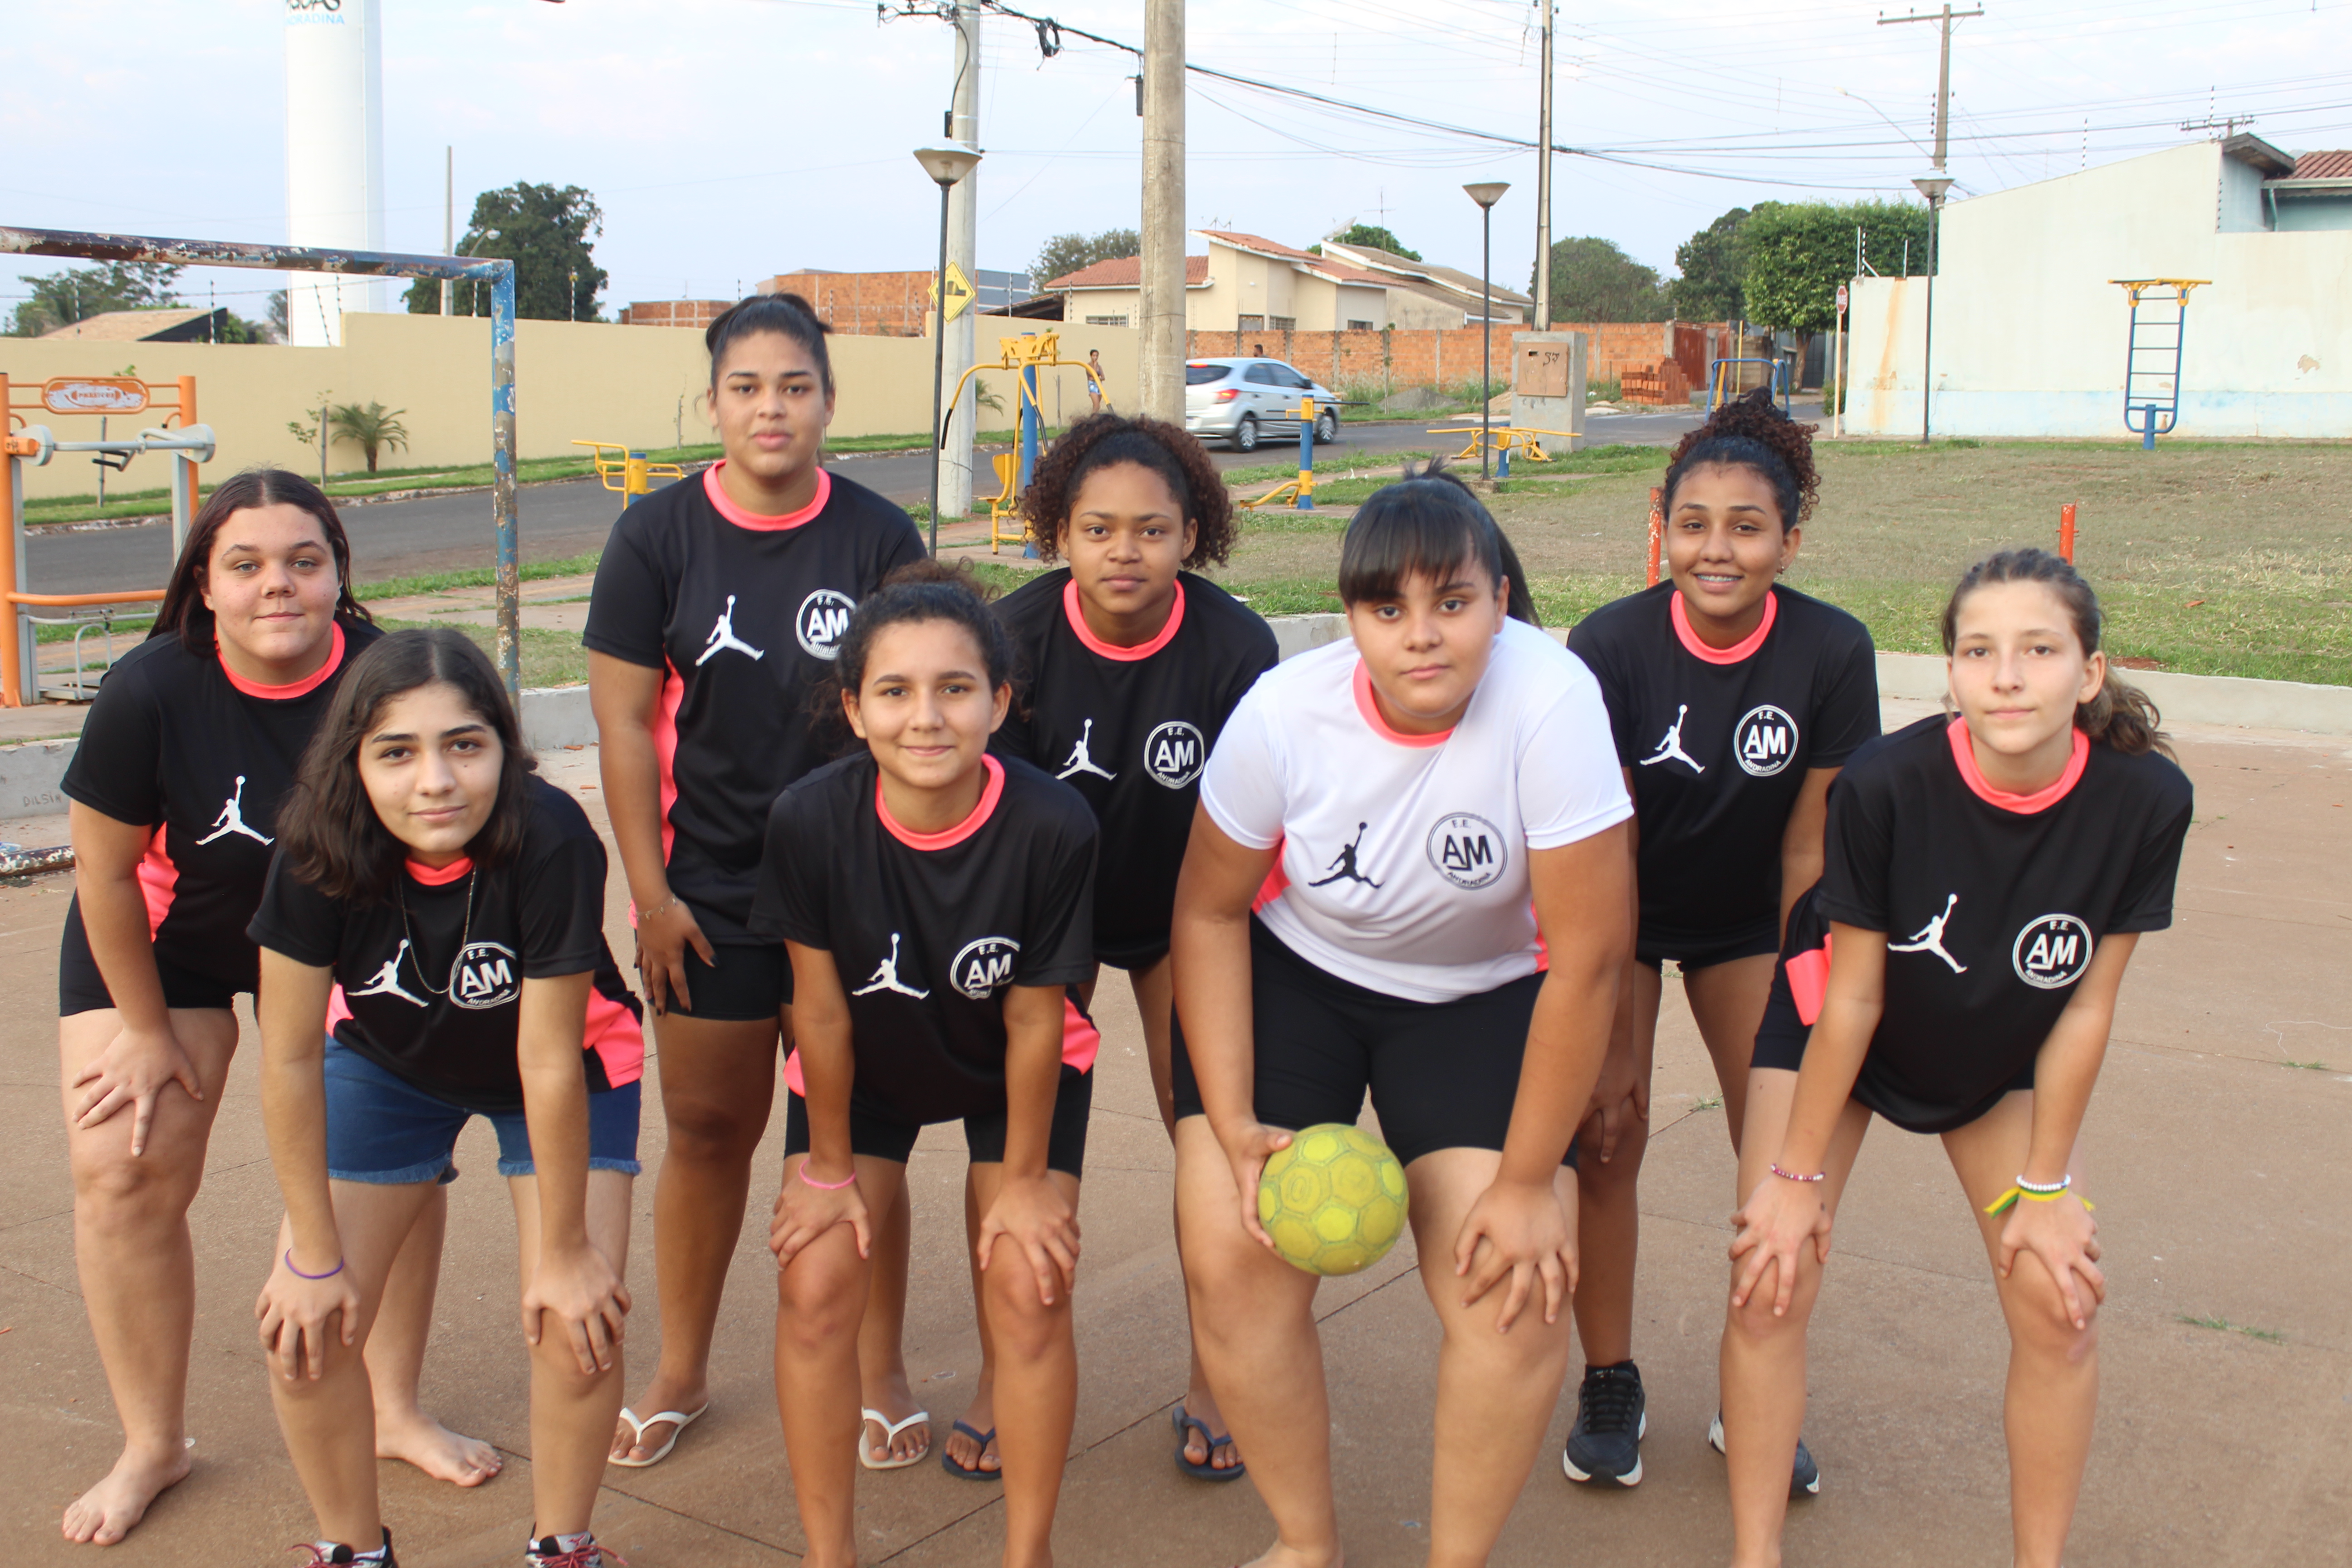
[496, 271]
[634, 476]
[1302, 488]
[2152, 362]
[1719, 393]
[1500, 439]
[1028, 354]
[1006, 503]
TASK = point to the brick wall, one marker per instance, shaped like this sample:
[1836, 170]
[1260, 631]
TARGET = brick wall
[862, 304]
[1431, 356]
[695, 314]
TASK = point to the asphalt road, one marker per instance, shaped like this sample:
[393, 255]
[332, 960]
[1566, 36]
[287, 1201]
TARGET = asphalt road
[436, 533]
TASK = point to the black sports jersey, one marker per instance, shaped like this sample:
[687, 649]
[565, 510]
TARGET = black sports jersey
[742, 612]
[1992, 905]
[429, 985]
[177, 744]
[927, 929]
[1719, 742]
[1130, 729]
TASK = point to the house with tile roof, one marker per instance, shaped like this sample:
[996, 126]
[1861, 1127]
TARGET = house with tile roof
[1465, 291]
[1248, 283]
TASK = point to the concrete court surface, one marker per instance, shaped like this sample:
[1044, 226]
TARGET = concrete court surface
[2218, 1162]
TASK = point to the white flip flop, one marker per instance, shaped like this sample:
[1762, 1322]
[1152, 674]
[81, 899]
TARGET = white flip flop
[679, 1421]
[890, 1431]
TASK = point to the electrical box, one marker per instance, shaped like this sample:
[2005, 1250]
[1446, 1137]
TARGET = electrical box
[1548, 386]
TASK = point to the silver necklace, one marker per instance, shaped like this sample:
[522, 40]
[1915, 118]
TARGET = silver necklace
[417, 951]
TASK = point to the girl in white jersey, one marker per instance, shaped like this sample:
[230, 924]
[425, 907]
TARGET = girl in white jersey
[1428, 825]
[1985, 879]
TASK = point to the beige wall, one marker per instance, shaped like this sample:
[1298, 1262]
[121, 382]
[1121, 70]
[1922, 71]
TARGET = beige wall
[640, 385]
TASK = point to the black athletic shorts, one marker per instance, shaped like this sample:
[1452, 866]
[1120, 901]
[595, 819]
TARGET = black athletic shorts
[749, 982]
[878, 1134]
[1717, 949]
[81, 989]
[1443, 1075]
[1136, 956]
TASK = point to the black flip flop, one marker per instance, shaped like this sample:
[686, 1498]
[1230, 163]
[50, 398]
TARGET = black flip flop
[1184, 1421]
[947, 1460]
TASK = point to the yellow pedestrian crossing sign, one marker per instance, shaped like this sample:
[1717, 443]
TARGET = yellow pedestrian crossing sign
[960, 292]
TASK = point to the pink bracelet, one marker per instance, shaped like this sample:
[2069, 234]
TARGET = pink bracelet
[1792, 1176]
[828, 1186]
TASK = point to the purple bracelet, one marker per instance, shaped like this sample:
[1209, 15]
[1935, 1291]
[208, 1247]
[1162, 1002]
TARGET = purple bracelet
[1792, 1176]
[298, 1274]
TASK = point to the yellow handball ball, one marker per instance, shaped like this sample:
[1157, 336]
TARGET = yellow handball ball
[1334, 1201]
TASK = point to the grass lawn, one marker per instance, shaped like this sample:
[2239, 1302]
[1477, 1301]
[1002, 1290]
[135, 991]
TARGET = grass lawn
[2210, 558]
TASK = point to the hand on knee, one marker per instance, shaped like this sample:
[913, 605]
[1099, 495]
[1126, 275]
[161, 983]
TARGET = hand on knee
[820, 1300]
[1754, 1323]
[113, 1185]
[2042, 1320]
[1024, 1326]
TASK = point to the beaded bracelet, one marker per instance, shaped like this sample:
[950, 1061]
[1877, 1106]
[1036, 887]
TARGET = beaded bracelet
[298, 1274]
[1792, 1176]
[828, 1186]
[2046, 1189]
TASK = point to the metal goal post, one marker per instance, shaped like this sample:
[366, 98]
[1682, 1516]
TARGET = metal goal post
[497, 273]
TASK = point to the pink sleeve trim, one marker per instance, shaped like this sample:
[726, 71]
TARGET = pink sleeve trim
[1809, 981]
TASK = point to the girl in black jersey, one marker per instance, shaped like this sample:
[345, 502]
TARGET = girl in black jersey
[433, 949]
[174, 789]
[1734, 701]
[1131, 664]
[1984, 882]
[718, 605]
[935, 902]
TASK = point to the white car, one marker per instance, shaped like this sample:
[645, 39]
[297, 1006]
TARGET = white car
[1245, 401]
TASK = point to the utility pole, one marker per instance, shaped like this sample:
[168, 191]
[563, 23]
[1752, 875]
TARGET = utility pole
[448, 216]
[1943, 71]
[1543, 181]
[962, 126]
[1934, 187]
[1161, 302]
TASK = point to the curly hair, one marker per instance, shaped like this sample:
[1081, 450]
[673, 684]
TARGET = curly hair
[1100, 440]
[2119, 713]
[1751, 433]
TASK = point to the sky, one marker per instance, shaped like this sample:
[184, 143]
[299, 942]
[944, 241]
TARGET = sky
[730, 140]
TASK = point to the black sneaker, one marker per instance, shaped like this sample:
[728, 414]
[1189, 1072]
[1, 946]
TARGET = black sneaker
[334, 1554]
[1804, 1479]
[1611, 1417]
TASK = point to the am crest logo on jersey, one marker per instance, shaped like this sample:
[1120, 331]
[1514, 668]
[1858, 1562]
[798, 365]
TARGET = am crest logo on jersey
[485, 976]
[983, 967]
[2052, 952]
[1467, 850]
[823, 616]
[1174, 753]
[1765, 742]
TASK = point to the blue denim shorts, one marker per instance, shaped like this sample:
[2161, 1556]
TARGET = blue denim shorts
[385, 1131]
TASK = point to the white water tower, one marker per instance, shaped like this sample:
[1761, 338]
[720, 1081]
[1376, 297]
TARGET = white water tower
[334, 157]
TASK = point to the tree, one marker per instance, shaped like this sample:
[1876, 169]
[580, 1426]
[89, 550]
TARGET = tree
[1713, 263]
[77, 293]
[369, 428]
[280, 332]
[1376, 238]
[549, 234]
[1594, 281]
[1067, 253]
[1799, 252]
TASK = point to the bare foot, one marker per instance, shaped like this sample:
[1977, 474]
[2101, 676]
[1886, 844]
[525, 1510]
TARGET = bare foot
[630, 1445]
[893, 1398]
[113, 1509]
[444, 1455]
[981, 1417]
[1202, 1407]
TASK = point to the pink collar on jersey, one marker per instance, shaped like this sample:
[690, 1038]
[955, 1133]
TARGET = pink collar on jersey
[302, 687]
[1071, 608]
[990, 794]
[1370, 707]
[1745, 647]
[439, 875]
[1964, 755]
[753, 520]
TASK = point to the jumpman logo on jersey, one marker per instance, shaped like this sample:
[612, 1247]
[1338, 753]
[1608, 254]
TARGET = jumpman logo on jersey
[1671, 747]
[1929, 938]
[232, 819]
[722, 637]
[1082, 760]
[387, 981]
[885, 976]
[1344, 868]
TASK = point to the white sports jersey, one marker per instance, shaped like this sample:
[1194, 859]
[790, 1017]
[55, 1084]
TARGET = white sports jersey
[1403, 863]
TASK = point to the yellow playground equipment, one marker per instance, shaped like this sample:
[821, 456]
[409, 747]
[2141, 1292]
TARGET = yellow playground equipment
[627, 473]
[1006, 503]
[1026, 354]
[1301, 488]
[1502, 439]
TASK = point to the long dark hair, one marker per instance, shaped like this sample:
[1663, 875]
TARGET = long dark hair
[328, 830]
[183, 614]
[918, 591]
[1101, 441]
[2119, 713]
[787, 313]
[1752, 433]
[1427, 523]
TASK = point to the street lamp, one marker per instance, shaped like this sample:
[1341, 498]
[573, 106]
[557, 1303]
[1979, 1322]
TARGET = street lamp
[1487, 195]
[945, 166]
[1933, 187]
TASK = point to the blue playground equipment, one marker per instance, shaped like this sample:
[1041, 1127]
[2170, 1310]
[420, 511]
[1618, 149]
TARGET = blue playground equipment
[2159, 321]
[1722, 388]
